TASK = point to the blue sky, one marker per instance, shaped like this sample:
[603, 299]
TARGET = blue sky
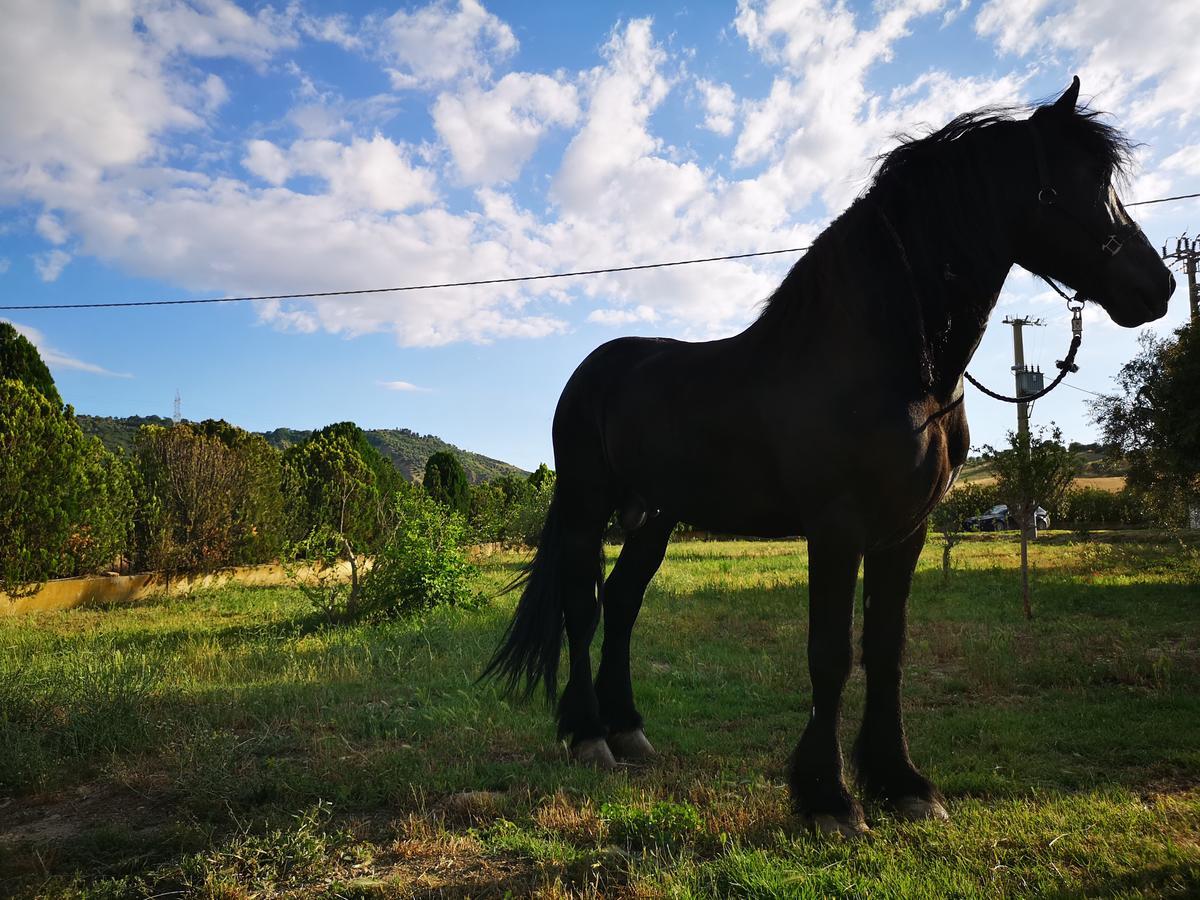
[162, 148]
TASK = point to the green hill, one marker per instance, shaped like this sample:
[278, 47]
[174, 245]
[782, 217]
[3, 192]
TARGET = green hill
[407, 450]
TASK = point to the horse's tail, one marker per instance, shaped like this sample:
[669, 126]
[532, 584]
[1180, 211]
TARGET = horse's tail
[530, 648]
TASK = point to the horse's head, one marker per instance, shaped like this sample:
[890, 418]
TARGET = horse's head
[1079, 232]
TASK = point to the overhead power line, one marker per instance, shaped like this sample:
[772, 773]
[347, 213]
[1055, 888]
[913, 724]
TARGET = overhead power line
[411, 287]
[310, 295]
[1162, 200]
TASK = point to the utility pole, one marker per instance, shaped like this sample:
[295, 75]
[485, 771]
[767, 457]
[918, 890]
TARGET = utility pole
[1028, 381]
[178, 408]
[1187, 251]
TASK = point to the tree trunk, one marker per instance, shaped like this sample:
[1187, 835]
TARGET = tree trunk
[946, 560]
[1025, 570]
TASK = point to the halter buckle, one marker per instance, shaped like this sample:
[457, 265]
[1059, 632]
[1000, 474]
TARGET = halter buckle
[1076, 319]
[1047, 196]
[1113, 245]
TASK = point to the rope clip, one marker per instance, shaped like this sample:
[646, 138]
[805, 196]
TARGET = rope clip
[1076, 319]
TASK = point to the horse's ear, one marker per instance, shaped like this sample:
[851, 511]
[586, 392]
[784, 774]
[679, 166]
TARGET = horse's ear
[1067, 102]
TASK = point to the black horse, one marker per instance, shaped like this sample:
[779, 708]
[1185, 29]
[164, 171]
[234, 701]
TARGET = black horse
[846, 392]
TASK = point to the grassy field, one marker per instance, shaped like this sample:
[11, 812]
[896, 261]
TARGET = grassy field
[224, 746]
[1112, 483]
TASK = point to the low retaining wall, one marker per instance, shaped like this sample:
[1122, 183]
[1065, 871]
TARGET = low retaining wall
[68, 593]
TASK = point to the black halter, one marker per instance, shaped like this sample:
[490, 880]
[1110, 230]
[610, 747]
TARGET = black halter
[1109, 244]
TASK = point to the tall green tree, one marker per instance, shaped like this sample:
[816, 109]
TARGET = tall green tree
[20, 360]
[259, 515]
[332, 487]
[446, 482]
[1154, 422]
[40, 486]
[189, 487]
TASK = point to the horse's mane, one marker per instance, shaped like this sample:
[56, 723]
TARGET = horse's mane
[930, 186]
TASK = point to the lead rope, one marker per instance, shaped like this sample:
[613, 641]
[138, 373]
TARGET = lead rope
[1075, 305]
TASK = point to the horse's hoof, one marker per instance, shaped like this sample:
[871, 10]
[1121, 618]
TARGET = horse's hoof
[827, 825]
[631, 745]
[594, 752]
[917, 809]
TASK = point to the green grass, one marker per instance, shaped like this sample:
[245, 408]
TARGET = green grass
[220, 746]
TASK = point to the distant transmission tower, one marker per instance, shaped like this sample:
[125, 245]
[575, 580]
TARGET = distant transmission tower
[177, 417]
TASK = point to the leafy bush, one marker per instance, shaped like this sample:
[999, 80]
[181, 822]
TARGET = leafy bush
[966, 499]
[511, 510]
[323, 552]
[1095, 508]
[422, 564]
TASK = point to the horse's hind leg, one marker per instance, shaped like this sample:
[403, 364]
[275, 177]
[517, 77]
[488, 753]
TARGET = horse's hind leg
[639, 560]
[818, 789]
[582, 562]
[881, 758]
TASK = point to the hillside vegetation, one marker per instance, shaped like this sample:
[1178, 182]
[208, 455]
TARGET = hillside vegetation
[407, 450]
[1096, 468]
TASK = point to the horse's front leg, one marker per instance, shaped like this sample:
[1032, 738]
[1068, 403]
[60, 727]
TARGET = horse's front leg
[818, 789]
[881, 759]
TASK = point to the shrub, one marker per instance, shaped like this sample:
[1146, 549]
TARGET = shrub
[329, 594]
[511, 510]
[422, 564]
[959, 504]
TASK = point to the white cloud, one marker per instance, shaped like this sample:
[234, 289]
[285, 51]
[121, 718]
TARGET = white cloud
[1141, 63]
[820, 126]
[215, 28]
[215, 93]
[49, 265]
[720, 106]
[267, 161]
[5, 264]
[335, 29]
[56, 359]
[81, 88]
[492, 133]
[438, 43]
[373, 174]
[641, 313]
[404, 386]
[49, 227]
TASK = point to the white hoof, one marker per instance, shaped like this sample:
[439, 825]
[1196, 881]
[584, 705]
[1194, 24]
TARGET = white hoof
[827, 825]
[631, 745]
[594, 752]
[916, 809]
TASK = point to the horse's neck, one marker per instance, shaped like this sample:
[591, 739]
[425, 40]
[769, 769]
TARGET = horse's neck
[951, 291]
